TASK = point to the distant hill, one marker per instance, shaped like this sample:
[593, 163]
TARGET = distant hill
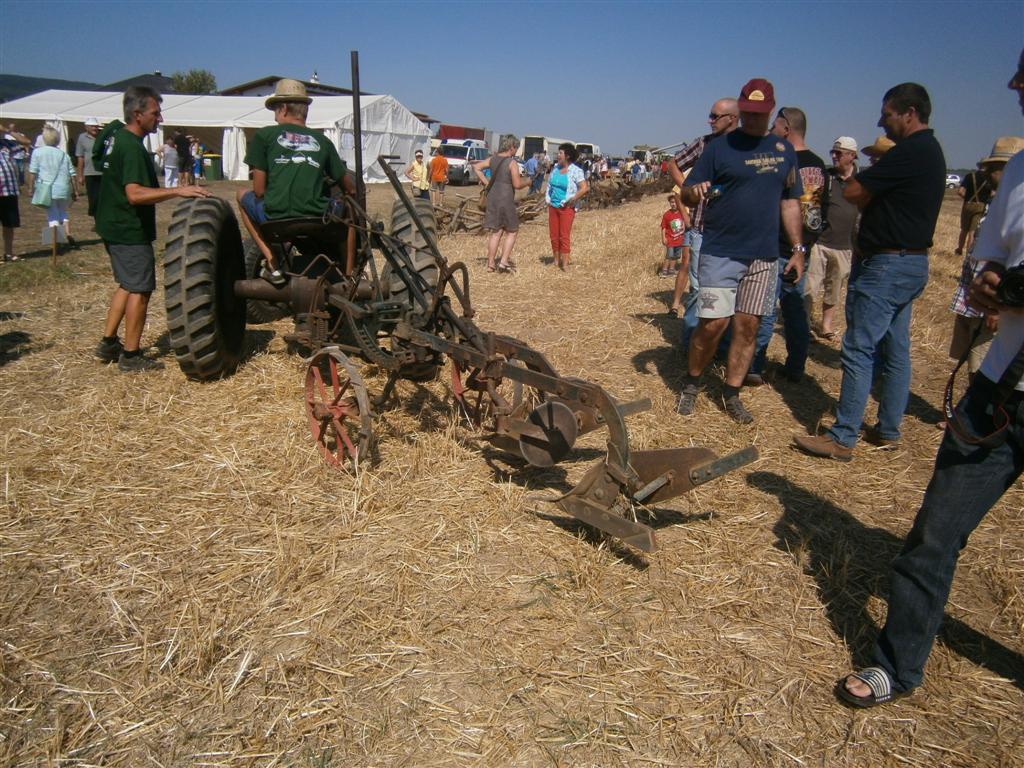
[16, 86]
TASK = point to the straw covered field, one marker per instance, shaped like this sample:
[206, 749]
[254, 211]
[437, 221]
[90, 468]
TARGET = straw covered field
[184, 583]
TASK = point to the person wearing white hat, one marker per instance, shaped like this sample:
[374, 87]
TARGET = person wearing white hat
[88, 175]
[293, 167]
[832, 255]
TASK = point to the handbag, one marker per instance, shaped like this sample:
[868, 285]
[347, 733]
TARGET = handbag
[43, 194]
[482, 202]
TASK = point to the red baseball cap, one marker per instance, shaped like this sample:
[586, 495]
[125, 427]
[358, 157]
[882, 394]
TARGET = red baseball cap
[757, 95]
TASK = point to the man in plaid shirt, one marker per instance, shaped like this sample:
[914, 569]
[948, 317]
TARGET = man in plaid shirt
[10, 217]
[724, 117]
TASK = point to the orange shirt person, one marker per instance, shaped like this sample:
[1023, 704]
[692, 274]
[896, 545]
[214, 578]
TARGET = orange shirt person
[438, 177]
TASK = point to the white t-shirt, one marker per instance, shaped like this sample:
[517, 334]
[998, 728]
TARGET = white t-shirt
[1001, 239]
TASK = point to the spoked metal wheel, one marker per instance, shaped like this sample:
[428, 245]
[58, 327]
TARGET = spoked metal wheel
[338, 408]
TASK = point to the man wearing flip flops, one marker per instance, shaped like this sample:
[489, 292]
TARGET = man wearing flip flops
[981, 455]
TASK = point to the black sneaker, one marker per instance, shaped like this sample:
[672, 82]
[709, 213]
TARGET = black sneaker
[737, 411]
[138, 364]
[687, 400]
[109, 351]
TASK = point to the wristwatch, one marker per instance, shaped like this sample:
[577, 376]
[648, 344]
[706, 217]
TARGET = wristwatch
[799, 248]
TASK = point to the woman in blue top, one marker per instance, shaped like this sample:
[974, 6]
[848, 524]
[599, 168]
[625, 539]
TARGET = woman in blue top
[51, 167]
[566, 186]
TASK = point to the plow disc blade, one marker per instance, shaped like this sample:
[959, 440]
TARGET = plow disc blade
[671, 472]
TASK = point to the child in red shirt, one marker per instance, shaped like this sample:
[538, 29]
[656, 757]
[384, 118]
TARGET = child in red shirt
[674, 224]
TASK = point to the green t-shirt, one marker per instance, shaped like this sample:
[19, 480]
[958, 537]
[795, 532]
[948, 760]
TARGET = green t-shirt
[126, 162]
[301, 164]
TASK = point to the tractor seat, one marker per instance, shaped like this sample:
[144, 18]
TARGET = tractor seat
[281, 231]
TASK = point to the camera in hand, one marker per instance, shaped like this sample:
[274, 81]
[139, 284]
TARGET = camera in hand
[1010, 290]
[789, 276]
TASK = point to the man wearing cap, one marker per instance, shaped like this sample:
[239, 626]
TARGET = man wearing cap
[832, 255]
[756, 183]
[294, 169]
[791, 125]
[126, 220]
[88, 175]
[723, 118]
[981, 456]
[899, 199]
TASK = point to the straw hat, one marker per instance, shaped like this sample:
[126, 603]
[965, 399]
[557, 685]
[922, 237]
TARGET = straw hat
[882, 145]
[288, 90]
[1004, 148]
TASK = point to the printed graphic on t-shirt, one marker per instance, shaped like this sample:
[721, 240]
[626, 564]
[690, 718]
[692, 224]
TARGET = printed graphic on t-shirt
[298, 142]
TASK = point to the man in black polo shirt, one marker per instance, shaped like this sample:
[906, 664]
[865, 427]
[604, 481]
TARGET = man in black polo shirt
[899, 199]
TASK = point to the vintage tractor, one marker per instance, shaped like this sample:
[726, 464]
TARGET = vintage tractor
[406, 312]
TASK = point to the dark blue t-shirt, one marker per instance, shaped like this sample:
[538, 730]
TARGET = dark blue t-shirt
[755, 174]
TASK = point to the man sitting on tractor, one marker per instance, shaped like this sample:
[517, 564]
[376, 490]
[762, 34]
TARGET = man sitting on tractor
[294, 171]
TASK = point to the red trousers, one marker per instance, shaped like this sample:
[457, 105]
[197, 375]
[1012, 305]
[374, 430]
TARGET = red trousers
[559, 227]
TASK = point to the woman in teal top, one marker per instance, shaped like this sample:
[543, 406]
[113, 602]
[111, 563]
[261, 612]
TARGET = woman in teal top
[566, 186]
[51, 167]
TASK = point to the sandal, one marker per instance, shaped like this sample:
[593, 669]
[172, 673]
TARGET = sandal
[829, 335]
[490, 268]
[507, 268]
[875, 678]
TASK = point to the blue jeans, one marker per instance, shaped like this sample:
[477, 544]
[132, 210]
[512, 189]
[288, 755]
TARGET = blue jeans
[695, 239]
[536, 183]
[966, 482]
[253, 207]
[878, 301]
[794, 318]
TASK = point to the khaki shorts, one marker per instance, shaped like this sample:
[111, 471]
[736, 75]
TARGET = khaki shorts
[964, 329]
[828, 269]
[753, 293]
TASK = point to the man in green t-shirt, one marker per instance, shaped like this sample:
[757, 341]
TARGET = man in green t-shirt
[126, 220]
[294, 169]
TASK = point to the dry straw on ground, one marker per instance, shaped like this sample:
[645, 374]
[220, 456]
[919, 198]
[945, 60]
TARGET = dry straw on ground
[182, 583]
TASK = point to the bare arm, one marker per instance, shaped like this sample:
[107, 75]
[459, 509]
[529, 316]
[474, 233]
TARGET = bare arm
[789, 210]
[518, 182]
[675, 173]
[961, 192]
[259, 183]
[81, 170]
[140, 195]
[478, 169]
[857, 194]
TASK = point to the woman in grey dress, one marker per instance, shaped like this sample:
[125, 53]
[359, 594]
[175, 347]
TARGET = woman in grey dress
[501, 217]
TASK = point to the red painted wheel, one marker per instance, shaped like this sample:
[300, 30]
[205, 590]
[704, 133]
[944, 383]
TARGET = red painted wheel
[338, 408]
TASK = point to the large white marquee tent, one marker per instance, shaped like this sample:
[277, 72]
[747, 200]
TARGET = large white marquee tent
[224, 121]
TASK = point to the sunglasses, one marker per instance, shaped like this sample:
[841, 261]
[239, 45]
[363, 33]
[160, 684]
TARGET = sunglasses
[713, 117]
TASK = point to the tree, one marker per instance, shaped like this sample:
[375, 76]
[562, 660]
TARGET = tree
[194, 81]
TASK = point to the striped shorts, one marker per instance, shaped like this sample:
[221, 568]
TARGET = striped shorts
[748, 288]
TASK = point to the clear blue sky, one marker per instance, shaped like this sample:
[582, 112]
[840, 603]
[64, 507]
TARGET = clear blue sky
[614, 73]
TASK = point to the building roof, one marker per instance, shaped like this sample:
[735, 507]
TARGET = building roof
[153, 80]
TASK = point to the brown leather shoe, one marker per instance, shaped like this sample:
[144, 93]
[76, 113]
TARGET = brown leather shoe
[823, 446]
[872, 436]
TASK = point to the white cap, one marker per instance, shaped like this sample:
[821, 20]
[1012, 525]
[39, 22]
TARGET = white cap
[91, 122]
[846, 143]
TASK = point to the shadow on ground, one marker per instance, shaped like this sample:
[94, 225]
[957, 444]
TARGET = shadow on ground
[850, 563]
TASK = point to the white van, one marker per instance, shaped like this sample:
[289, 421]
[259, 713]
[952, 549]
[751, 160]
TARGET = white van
[460, 153]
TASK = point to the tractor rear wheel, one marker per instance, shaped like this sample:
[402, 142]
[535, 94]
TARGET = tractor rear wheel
[205, 320]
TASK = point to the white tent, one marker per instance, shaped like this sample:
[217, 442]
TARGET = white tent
[388, 127]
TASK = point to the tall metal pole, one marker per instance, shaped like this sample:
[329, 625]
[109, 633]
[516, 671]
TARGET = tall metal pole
[357, 132]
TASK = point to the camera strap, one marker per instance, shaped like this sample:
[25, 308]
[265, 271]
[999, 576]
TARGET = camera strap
[1003, 389]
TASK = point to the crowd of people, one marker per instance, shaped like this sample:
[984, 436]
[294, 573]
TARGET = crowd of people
[752, 205]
